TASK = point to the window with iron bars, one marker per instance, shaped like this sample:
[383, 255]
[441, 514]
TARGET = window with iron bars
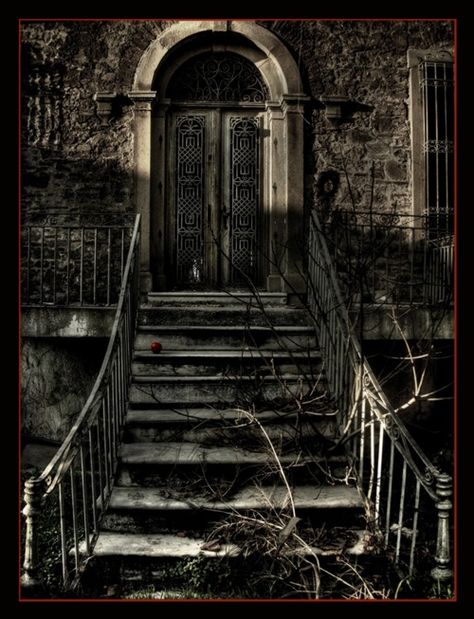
[436, 94]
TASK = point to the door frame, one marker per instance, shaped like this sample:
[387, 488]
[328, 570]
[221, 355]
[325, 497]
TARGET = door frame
[284, 118]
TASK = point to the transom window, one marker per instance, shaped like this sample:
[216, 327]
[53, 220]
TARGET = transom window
[218, 77]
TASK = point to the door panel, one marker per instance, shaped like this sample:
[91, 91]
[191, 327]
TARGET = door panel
[190, 194]
[244, 197]
[213, 198]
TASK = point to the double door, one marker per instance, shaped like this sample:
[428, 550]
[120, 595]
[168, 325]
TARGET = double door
[214, 198]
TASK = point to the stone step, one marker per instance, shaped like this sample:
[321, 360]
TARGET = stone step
[159, 546]
[224, 362]
[215, 337]
[225, 315]
[181, 453]
[208, 425]
[221, 390]
[234, 297]
[315, 431]
[210, 416]
[249, 498]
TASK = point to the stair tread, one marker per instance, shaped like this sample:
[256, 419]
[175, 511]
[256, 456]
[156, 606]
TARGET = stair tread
[235, 297]
[225, 353]
[159, 545]
[195, 453]
[250, 497]
[213, 378]
[184, 415]
[226, 328]
[169, 545]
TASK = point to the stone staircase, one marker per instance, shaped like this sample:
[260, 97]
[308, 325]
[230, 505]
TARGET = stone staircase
[235, 398]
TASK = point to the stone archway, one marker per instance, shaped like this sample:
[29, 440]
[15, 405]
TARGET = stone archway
[283, 191]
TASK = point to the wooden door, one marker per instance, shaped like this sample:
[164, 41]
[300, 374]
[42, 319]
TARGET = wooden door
[214, 198]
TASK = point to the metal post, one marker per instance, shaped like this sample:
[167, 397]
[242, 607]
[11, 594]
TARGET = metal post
[33, 498]
[444, 490]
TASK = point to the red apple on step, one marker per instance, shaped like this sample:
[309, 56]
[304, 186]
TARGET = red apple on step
[155, 347]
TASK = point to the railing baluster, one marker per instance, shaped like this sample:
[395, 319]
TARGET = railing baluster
[414, 527]
[63, 529]
[74, 515]
[113, 407]
[372, 453]
[362, 431]
[93, 480]
[85, 502]
[389, 492]
[100, 458]
[401, 510]
[107, 447]
[110, 434]
[122, 346]
[378, 482]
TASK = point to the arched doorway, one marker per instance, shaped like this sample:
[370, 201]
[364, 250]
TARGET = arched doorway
[219, 158]
[215, 173]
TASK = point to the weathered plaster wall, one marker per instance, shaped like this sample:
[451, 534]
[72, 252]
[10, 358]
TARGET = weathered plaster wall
[78, 166]
[57, 376]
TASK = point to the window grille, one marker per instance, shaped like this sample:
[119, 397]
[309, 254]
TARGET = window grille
[436, 83]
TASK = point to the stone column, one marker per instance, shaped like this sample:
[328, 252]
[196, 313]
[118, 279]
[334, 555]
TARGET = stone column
[277, 207]
[142, 152]
[293, 110]
[157, 195]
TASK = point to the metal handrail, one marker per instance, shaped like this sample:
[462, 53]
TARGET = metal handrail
[367, 418]
[81, 472]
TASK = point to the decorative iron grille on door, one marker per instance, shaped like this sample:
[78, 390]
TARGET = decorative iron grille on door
[189, 198]
[244, 194]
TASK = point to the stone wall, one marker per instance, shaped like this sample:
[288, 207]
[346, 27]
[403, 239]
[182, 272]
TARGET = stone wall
[57, 376]
[76, 166]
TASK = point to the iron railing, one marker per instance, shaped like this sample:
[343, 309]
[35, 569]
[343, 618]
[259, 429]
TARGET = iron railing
[76, 484]
[73, 265]
[408, 499]
[386, 258]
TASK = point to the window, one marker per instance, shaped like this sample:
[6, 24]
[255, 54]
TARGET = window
[432, 125]
[436, 83]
